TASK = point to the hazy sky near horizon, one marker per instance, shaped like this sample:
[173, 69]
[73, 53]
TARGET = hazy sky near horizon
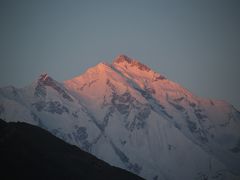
[194, 43]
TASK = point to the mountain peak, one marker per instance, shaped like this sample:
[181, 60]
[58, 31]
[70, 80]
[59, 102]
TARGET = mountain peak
[102, 65]
[43, 77]
[123, 59]
[45, 80]
[99, 68]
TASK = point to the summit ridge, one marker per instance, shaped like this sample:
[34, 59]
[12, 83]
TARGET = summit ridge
[131, 62]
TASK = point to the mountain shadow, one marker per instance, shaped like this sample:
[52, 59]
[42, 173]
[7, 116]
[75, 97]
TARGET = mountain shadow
[29, 152]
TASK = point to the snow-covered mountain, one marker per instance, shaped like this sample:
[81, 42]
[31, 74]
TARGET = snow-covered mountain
[134, 118]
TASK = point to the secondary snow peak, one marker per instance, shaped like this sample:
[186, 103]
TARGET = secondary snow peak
[43, 77]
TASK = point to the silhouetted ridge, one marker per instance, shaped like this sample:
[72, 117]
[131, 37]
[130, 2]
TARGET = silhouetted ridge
[29, 152]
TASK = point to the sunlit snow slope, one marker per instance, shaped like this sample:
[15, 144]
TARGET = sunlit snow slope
[134, 118]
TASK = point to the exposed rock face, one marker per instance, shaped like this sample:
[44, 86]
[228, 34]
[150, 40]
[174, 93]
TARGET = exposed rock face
[131, 62]
[51, 106]
[45, 80]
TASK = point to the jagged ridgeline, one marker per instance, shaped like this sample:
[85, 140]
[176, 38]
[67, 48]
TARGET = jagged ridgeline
[134, 118]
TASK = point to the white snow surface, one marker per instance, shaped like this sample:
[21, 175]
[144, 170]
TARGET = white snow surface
[134, 118]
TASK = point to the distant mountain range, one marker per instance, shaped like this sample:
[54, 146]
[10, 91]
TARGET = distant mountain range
[133, 118]
[29, 152]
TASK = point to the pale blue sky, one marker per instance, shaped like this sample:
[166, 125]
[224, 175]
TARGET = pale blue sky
[195, 43]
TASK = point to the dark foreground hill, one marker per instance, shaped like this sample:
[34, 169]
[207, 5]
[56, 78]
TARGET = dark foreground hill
[29, 152]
